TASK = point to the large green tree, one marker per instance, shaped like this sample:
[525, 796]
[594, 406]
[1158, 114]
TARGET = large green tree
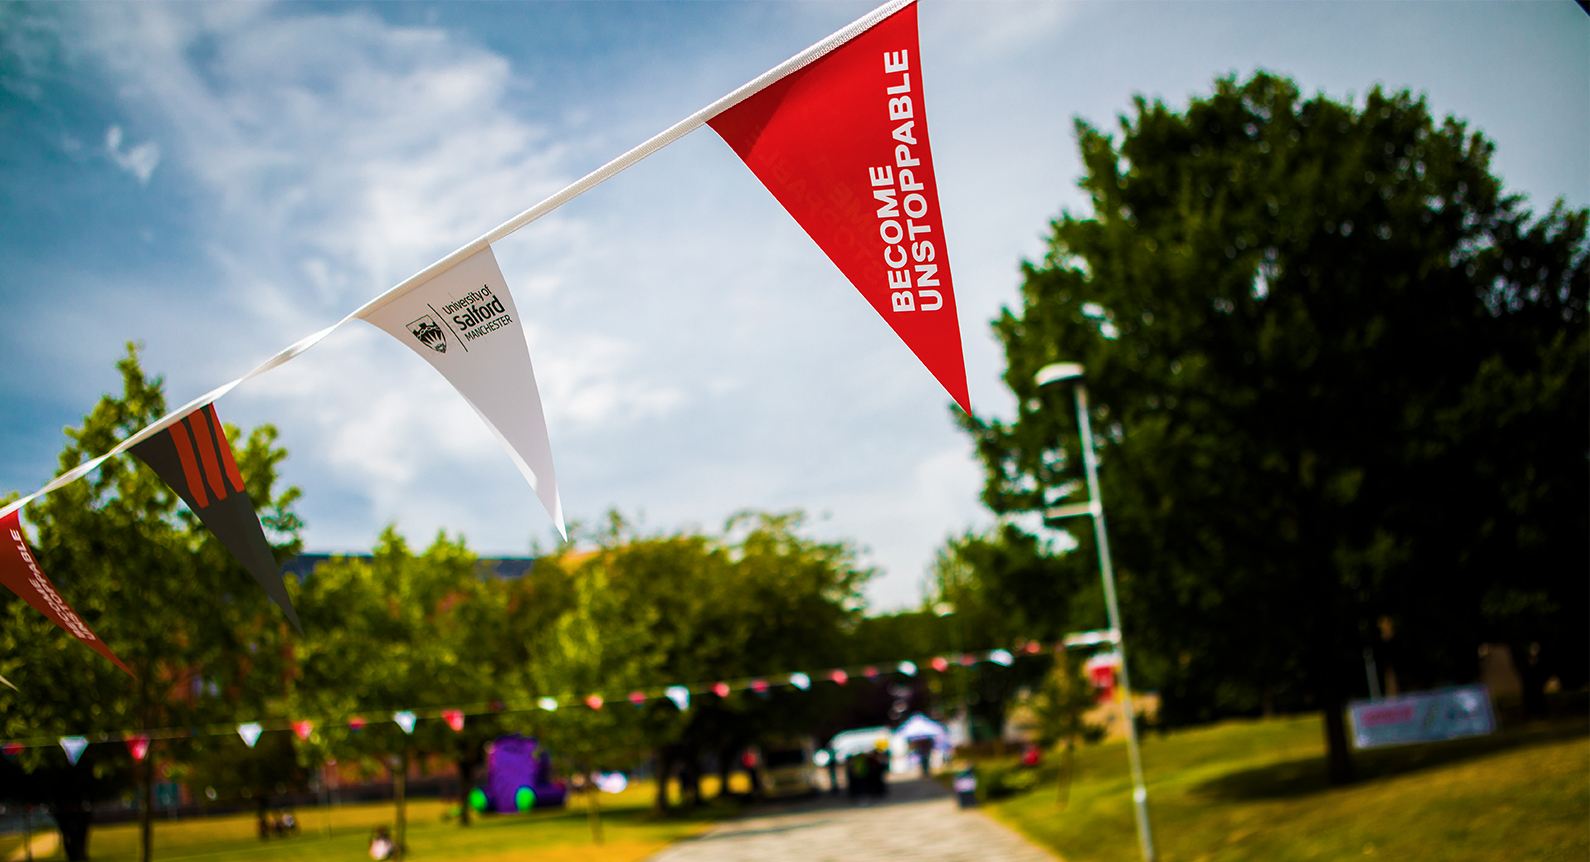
[761, 599]
[1000, 588]
[1337, 376]
[161, 591]
[382, 635]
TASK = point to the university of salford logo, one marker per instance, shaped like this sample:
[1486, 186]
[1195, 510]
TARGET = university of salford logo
[429, 334]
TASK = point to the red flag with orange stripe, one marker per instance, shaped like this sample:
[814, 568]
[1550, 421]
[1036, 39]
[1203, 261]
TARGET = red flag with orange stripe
[193, 457]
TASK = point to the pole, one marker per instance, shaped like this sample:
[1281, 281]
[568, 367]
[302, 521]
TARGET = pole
[400, 786]
[1145, 836]
[1371, 673]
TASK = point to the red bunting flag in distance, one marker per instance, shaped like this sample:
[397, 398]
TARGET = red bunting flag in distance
[137, 746]
[843, 145]
[21, 574]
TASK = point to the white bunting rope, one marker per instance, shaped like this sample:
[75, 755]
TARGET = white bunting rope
[569, 193]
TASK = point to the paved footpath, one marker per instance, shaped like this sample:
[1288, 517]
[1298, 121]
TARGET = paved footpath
[917, 821]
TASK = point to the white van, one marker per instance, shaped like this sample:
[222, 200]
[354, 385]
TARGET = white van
[785, 768]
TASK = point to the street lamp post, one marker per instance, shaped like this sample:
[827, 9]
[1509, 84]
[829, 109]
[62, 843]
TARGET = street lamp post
[1070, 371]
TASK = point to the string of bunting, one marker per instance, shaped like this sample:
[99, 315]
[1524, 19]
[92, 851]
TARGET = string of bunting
[837, 134]
[250, 731]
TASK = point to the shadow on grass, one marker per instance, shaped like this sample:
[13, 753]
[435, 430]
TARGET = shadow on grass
[1294, 778]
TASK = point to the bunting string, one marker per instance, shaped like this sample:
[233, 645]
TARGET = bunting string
[681, 695]
[568, 193]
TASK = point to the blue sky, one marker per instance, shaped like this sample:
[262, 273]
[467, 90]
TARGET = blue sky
[216, 180]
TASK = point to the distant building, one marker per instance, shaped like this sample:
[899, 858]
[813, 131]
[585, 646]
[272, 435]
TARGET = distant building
[508, 568]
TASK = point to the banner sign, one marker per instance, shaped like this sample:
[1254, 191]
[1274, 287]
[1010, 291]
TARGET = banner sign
[843, 145]
[1423, 717]
[21, 574]
[193, 456]
[464, 323]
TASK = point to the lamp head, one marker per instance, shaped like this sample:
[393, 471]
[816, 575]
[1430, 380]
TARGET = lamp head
[1057, 372]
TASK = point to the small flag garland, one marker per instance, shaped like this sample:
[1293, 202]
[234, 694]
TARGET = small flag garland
[454, 716]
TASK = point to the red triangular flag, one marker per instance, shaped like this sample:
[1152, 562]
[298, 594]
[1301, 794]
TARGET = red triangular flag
[21, 574]
[137, 746]
[843, 145]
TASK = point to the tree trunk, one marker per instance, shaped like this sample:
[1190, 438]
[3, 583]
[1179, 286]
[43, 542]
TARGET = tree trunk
[465, 785]
[1327, 655]
[1064, 795]
[1338, 756]
[398, 782]
[146, 817]
[593, 805]
[73, 821]
[725, 761]
[1531, 677]
[264, 826]
[690, 780]
[663, 766]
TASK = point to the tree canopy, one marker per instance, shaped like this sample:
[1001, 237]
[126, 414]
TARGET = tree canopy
[1338, 380]
[162, 592]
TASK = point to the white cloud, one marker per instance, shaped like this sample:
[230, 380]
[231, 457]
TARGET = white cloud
[140, 160]
[343, 154]
[992, 32]
[696, 352]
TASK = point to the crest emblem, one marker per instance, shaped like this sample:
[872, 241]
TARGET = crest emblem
[429, 334]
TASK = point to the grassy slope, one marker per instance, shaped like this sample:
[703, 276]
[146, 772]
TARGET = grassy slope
[1255, 790]
[629, 830]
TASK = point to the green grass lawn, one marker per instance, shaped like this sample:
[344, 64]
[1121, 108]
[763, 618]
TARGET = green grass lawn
[1256, 790]
[630, 832]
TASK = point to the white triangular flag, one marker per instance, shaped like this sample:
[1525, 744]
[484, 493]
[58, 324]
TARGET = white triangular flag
[464, 323]
[1000, 656]
[74, 746]
[405, 720]
[680, 696]
[800, 681]
[250, 732]
[548, 704]
[907, 667]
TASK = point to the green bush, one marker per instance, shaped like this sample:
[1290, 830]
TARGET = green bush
[1000, 779]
